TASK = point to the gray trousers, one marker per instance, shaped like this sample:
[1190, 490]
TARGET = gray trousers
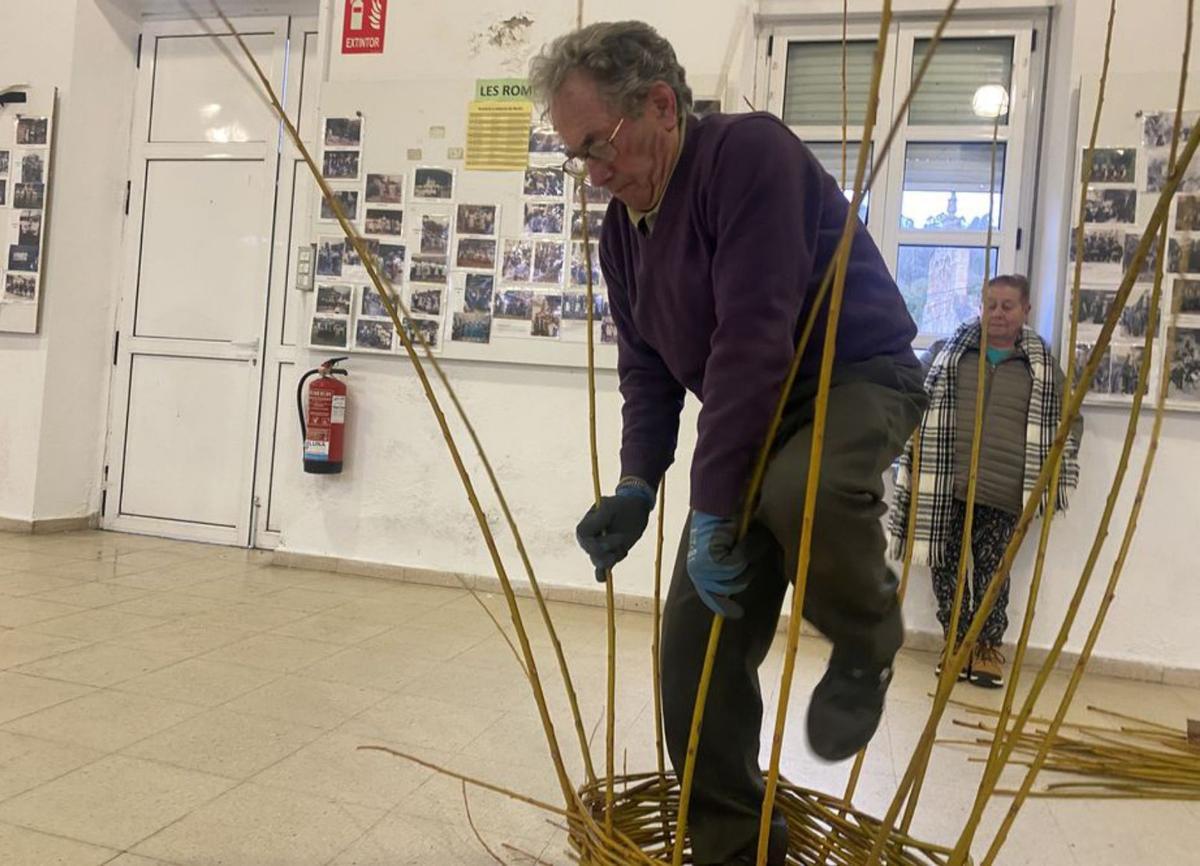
[874, 407]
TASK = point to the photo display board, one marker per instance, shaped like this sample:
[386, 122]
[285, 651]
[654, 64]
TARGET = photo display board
[490, 264]
[26, 141]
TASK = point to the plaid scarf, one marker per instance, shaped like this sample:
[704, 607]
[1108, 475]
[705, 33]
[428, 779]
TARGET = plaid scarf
[935, 499]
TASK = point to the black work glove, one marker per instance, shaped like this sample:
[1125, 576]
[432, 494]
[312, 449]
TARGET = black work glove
[611, 528]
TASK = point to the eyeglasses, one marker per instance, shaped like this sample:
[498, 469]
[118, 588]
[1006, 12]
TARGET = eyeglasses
[604, 151]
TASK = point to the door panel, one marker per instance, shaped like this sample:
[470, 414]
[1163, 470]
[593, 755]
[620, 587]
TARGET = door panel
[204, 253]
[187, 426]
[204, 89]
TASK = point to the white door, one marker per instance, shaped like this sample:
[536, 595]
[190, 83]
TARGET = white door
[201, 226]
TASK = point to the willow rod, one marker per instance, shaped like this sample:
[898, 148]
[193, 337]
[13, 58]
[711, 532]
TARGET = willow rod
[1071, 411]
[610, 710]
[1002, 750]
[994, 765]
[821, 412]
[1139, 498]
[948, 674]
[391, 306]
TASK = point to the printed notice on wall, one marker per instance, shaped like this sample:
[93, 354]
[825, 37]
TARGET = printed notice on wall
[363, 27]
[498, 135]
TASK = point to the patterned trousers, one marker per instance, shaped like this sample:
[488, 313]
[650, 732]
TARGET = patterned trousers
[991, 531]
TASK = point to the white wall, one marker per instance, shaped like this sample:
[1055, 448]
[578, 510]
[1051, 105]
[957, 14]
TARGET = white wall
[52, 430]
[400, 502]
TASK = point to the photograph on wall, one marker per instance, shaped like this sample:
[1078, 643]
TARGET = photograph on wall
[371, 305]
[3, 192]
[1113, 165]
[574, 307]
[391, 259]
[1185, 365]
[548, 262]
[340, 165]
[382, 221]
[343, 132]
[330, 253]
[385, 189]
[353, 268]
[608, 332]
[29, 228]
[433, 184]
[477, 219]
[514, 304]
[579, 269]
[1146, 273]
[330, 333]
[374, 336]
[1156, 174]
[1158, 127]
[33, 168]
[21, 288]
[4, 156]
[477, 293]
[1188, 259]
[1100, 384]
[1125, 365]
[1135, 318]
[1187, 296]
[544, 182]
[546, 320]
[32, 131]
[595, 222]
[544, 218]
[422, 329]
[29, 195]
[426, 301]
[544, 140]
[473, 327]
[429, 269]
[23, 259]
[518, 261]
[1094, 304]
[476, 253]
[333, 300]
[1110, 206]
[1187, 213]
[347, 199]
[594, 195]
[435, 234]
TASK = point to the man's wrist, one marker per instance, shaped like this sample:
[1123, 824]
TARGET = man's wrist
[631, 485]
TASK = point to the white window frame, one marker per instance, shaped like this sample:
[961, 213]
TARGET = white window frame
[1012, 239]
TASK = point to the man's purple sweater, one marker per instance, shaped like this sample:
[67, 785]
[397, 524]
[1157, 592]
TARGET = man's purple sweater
[713, 300]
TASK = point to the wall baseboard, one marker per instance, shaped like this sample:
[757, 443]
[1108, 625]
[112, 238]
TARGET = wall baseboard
[916, 640]
[51, 525]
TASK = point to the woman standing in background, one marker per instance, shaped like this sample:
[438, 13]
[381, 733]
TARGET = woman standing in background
[1022, 407]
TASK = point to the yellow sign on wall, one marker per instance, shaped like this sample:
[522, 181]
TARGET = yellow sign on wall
[498, 135]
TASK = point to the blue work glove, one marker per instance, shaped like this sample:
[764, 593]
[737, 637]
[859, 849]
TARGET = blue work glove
[612, 527]
[716, 563]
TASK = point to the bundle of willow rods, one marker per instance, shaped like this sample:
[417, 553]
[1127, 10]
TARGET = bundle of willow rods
[1140, 760]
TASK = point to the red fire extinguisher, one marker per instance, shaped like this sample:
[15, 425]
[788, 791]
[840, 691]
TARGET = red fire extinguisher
[324, 426]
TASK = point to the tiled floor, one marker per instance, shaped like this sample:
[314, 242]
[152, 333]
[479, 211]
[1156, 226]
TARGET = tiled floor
[170, 703]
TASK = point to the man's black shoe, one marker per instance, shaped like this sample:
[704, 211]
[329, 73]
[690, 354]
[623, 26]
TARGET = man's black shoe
[846, 707]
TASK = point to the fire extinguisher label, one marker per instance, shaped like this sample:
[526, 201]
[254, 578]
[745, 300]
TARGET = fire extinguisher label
[337, 413]
[316, 449]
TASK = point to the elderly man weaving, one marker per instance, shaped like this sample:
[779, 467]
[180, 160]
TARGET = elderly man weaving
[713, 249]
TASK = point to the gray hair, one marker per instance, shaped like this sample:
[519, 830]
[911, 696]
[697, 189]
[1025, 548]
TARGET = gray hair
[624, 58]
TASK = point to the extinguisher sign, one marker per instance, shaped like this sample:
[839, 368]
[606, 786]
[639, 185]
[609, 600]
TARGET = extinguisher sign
[363, 29]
